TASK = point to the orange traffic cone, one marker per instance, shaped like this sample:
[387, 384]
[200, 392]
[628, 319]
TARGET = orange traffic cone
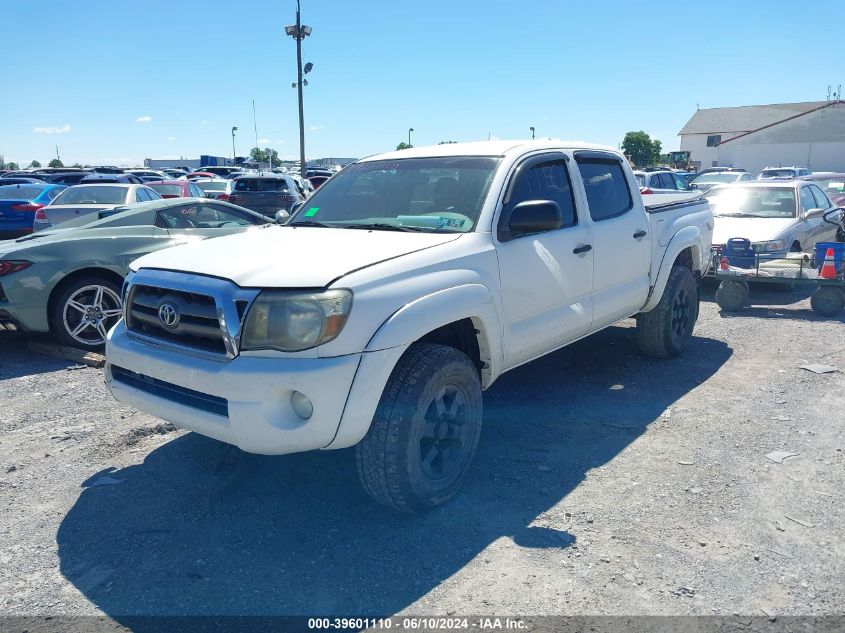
[828, 270]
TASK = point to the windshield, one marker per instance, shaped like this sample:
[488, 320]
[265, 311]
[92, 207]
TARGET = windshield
[15, 192]
[80, 194]
[753, 202]
[708, 178]
[216, 185]
[430, 194]
[778, 173]
[640, 179]
[167, 190]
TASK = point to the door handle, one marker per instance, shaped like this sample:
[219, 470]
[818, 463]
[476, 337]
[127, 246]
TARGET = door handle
[585, 248]
[639, 235]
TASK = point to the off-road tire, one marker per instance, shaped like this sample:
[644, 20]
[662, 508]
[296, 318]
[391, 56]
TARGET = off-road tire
[827, 301]
[732, 295]
[58, 304]
[664, 331]
[389, 459]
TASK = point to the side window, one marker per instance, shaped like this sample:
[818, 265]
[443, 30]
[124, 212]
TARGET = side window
[195, 191]
[807, 200]
[665, 181]
[746, 177]
[822, 201]
[680, 183]
[608, 194]
[53, 193]
[713, 140]
[140, 195]
[543, 181]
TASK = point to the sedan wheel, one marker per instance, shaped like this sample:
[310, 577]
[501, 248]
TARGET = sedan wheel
[85, 312]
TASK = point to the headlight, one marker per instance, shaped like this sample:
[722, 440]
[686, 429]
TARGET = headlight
[292, 321]
[768, 247]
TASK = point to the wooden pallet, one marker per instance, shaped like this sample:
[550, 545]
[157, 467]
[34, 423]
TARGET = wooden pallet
[92, 359]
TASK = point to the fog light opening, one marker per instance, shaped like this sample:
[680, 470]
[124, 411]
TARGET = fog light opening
[302, 405]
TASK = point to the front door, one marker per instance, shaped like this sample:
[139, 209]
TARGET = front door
[546, 276]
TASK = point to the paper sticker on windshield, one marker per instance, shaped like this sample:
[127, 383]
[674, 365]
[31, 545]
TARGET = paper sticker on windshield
[453, 223]
[312, 212]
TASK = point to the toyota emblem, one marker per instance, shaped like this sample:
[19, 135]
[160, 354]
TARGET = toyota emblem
[168, 314]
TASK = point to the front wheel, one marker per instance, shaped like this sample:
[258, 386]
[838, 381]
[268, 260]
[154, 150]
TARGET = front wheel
[83, 312]
[827, 301]
[425, 432]
[664, 331]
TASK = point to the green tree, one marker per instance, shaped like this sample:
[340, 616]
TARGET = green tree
[403, 145]
[35, 164]
[265, 155]
[446, 142]
[55, 163]
[639, 147]
[12, 166]
[77, 165]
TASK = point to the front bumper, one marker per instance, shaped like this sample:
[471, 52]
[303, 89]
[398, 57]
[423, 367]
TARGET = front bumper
[245, 401]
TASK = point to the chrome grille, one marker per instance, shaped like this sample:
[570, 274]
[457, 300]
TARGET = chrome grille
[198, 324]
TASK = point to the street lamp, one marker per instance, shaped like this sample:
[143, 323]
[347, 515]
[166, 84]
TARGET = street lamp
[234, 129]
[532, 132]
[409, 136]
[299, 32]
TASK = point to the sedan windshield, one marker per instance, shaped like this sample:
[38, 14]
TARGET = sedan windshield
[80, 194]
[778, 173]
[711, 178]
[167, 190]
[415, 194]
[213, 185]
[753, 202]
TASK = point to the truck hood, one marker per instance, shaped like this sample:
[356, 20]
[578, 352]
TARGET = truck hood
[290, 257]
[754, 229]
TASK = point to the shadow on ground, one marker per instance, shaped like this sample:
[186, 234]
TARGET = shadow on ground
[200, 528]
[770, 301]
[17, 360]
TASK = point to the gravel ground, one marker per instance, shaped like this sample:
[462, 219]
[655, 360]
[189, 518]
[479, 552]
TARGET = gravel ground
[606, 483]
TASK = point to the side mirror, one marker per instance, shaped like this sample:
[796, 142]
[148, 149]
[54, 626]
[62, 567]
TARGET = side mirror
[535, 216]
[693, 186]
[296, 206]
[209, 195]
[282, 217]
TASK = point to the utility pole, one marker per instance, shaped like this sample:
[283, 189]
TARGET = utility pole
[532, 132]
[409, 136]
[299, 32]
[234, 129]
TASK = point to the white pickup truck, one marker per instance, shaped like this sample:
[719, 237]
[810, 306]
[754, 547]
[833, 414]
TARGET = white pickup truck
[405, 286]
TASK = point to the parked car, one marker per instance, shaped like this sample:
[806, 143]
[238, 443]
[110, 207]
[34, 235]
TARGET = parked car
[111, 178]
[663, 181]
[710, 170]
[27, 174]
[303, 185]
[783, 173]
[832, 183]
[409, 282]
[84, 199]
[316, 181]
[266, 193]
[705, 182]
[200, 174]
[67, 280]
[177, 189]
[68, 178]
[174, 173]
[19, 180]
[142, 173]
[221, 171]
[777, 217]
[217, 188]
[18, 205]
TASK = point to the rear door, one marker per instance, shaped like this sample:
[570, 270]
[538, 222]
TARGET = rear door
[545, 277]
[621, 242]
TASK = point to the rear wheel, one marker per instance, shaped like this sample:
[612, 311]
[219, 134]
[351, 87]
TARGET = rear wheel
[425, 432]
[732, 295]
[83, 312]
[664, 331]
[828, 301]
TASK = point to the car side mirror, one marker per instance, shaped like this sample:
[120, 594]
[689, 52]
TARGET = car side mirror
[296, 206]
[209, 195]
[693, 186]
[282, 217]
[535, 216]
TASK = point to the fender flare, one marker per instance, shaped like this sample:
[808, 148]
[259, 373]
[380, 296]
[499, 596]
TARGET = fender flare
[687, 237]
[429, 312]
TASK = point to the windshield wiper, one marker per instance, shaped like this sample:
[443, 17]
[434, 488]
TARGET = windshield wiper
[384, 226]
[738, 215]
[310, 223]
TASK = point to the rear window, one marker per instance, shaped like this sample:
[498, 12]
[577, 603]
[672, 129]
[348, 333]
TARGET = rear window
[15, 192]
[778, 173]
[640, 179]
[260, 184]
[213, 186]
[80, 194]
[167, 190]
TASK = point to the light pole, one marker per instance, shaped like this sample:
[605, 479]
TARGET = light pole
[299, 32]
[409, 136]
[234, 129]
[532, 132]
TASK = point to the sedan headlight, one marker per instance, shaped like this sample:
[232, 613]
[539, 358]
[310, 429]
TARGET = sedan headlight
[292, 321]
[770, 246]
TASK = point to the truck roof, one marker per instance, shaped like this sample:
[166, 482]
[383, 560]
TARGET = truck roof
[486, 148]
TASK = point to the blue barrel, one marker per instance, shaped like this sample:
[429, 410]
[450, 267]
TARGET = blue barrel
[838, 254]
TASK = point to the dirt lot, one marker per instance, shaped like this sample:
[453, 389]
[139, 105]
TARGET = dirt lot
[606, 483]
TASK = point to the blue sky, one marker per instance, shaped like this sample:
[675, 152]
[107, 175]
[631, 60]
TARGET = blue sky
[116, 81]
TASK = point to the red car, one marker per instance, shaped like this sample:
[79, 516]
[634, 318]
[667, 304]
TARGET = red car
[176, 189]
[832, 183]
[201, 174]
[316, 181]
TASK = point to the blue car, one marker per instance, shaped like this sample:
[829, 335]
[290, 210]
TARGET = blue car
[19, 204]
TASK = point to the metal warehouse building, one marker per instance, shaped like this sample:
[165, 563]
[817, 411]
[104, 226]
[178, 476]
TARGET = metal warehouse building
[809, 134]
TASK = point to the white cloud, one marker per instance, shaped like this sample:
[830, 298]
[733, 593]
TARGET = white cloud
[263, 141]
[52, 130]
[171, 138]
[144, 119]
[314, 128]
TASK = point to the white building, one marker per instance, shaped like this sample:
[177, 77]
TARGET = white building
[809, 134]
